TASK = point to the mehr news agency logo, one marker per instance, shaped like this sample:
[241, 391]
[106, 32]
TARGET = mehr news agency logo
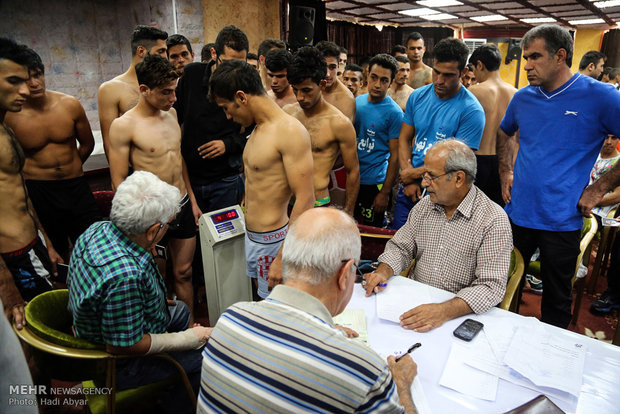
[21, 395]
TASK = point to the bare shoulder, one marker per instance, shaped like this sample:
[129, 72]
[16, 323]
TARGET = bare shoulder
[292, 109]
[291, 132]
[343, 90]
[66, 101]
[340, 123]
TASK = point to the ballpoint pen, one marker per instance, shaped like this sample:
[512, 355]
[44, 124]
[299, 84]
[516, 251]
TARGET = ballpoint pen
[409, 350]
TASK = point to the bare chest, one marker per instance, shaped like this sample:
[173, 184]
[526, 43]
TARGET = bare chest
[154, 139]
[35, 130]
[128, 99]
[261, 155]
[11, 154]
[321, 134]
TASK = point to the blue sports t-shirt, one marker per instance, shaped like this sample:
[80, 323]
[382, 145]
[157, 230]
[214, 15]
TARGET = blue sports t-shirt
[434, 119]
[375, 125]
[560, 135]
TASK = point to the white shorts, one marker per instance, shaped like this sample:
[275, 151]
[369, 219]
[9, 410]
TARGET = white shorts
[261, 250]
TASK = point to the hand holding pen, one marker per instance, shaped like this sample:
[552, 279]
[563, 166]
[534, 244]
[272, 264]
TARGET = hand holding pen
[411, 349]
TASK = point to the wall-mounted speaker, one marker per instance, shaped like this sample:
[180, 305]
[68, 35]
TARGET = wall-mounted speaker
[301, 26]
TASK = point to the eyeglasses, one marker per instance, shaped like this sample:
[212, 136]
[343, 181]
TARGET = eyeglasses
[429, 178]
[360, 276]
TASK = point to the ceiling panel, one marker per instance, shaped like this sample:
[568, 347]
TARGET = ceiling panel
[561, 10]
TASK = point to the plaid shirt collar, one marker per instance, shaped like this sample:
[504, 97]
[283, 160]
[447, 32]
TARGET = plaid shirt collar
[466, 207]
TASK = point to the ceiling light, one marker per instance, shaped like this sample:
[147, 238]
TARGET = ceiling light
[539, 20]
[418, 12]
[439, 3]
[586, 21]
[379, 27]
[439, 16]
[489, 18]
[603, 4]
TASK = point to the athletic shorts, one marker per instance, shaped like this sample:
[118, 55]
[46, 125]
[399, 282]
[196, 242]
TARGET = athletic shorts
[183, 226]
[364, 212]
[261, 250]
[31, 268]
[66, 208]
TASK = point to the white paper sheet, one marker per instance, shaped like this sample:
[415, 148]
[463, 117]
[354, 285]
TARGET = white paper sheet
[548, 360]
[354, 319]
[399, 296]
[465, 379]
[417, 392]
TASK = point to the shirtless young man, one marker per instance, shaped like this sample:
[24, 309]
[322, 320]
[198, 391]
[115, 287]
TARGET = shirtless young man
[334, 92]
[399, 90]
[119, 95]
[277, 61]
[54, 132]
[352, 78]
[332, 134]
[420, 73]
[494, 95]
[25, 262]
[148, 137]
[264, 48]
[277, 162]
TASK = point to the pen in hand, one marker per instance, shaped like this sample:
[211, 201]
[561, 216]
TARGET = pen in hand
[409, 350]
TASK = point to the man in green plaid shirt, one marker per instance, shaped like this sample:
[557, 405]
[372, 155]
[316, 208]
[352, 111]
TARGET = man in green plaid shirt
[118, 297]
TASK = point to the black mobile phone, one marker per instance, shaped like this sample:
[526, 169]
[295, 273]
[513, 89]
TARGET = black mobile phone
[63, 271]
[468, 329]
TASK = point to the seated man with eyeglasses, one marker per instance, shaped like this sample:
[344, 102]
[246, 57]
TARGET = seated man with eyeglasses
[460, 240]
[118, 297]
[284, 354]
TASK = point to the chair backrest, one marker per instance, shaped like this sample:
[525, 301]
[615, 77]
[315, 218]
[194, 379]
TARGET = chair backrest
[515, 274]
[374, 240]
[47, 316]
[588, 231]
[104, 202]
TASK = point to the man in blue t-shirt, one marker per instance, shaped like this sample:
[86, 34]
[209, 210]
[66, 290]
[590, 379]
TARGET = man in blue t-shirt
[434, 112]
[377, 124]
[562, 120]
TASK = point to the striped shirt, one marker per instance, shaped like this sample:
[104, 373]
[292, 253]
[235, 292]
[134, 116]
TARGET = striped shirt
[116, 294]
[283, 355]
[468, 254]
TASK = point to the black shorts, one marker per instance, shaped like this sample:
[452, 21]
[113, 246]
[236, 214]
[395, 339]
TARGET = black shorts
[66, 208]
[364, 213]
[487, 177]
[183, 226]
[31, 268]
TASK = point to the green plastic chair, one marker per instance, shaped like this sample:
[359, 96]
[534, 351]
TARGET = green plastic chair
[515, 274]
[62, 356]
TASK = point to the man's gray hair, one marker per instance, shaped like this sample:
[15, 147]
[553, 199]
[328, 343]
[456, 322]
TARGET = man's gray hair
[458, 157]
[314, 255]
[555, 37]
[143, 200]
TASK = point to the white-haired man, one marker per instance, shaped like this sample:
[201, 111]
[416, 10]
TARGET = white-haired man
[118, 297]
[289, 342]
[459, 238]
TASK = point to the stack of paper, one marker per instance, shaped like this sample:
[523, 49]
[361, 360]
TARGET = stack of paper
[399, 296]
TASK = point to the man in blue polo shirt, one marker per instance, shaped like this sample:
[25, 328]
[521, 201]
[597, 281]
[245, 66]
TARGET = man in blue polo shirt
[434, 112]
[562, 120]
[377, 125]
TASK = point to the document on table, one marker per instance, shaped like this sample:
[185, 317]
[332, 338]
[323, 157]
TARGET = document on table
[548, 360]
[399, 296]
[465, 379]
[354, 319]
[417, 392]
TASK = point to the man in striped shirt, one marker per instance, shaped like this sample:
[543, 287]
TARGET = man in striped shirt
[284, 355]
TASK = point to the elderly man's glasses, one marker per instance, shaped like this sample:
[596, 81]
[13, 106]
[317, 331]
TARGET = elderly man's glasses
[428, 177]
[359, 275]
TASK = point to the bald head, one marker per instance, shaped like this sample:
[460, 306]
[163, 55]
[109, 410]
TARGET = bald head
[317, 243]
[457, 156]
